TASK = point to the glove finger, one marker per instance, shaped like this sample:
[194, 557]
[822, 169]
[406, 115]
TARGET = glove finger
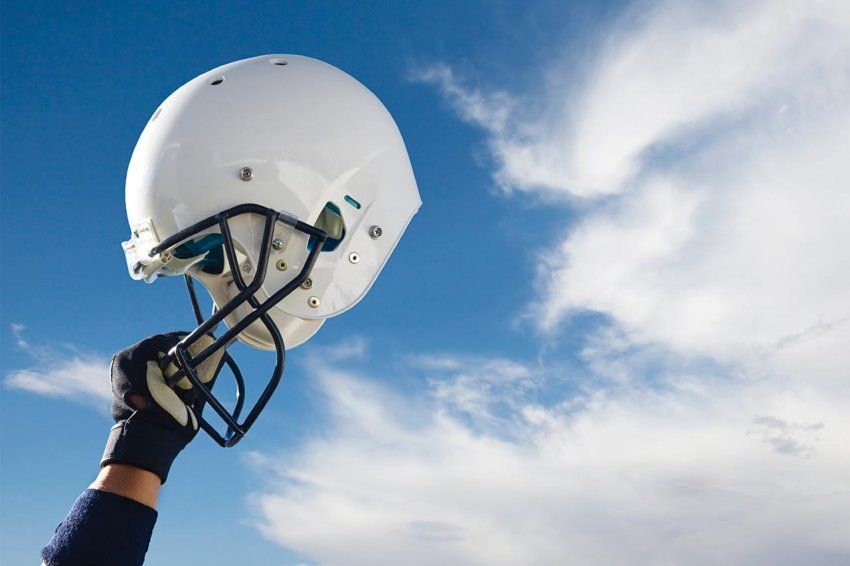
[207, 370]
[165, 397]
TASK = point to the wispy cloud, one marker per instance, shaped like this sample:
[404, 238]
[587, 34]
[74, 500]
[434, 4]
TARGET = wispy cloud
[721, 128]
[666, 78]
[62, 372]
[671, 473]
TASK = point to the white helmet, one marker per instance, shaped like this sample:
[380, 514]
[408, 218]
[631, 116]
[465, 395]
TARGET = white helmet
[283, 166]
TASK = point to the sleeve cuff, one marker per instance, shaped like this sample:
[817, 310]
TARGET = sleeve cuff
[102, 528]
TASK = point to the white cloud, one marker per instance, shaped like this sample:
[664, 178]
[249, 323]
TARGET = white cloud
[707, 145]
[62, 372]
[722, 128]
[693, 470]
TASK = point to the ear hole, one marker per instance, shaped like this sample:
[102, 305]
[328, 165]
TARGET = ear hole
[331, 222]
[211, 245]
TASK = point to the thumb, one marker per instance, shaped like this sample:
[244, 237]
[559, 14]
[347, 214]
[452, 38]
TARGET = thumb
[166, 398]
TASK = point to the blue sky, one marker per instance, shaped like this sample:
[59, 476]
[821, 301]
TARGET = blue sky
[620, 309]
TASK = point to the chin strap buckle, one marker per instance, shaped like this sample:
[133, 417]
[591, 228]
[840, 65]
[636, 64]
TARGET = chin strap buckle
[140, 264]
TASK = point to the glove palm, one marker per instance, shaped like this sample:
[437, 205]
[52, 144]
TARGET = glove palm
[154, 422]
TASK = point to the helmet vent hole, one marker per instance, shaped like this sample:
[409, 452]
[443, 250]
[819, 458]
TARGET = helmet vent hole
[217, 81]
[156, 114]
[350, 200]
[279, 62]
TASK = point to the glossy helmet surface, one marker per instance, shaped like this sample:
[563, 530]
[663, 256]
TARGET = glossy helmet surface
[276, 179]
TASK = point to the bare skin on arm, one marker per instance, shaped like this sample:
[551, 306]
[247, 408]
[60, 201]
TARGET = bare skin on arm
[128, 481]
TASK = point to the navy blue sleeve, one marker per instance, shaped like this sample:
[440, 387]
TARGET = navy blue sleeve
[102, 529]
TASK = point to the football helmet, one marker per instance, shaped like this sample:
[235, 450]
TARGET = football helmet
[281, 185]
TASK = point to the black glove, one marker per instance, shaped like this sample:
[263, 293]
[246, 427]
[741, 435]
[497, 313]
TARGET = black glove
[154, 421]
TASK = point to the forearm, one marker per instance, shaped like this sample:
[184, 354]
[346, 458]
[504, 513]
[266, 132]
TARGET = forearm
[110, 523]
[128, 481]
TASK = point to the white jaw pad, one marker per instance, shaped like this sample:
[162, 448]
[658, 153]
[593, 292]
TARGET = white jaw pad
[295, 331]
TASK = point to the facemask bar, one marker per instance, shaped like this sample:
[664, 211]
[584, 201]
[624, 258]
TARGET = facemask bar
[187, 364]
[228, 359]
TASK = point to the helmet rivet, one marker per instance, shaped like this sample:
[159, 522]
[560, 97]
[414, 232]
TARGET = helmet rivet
[313, 302]
[354, 257]
[375, 232]
[307, 284]
[278, 244]
[246, 173]
[281, 265]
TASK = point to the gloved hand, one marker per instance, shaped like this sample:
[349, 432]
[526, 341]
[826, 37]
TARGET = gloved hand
[153, 421]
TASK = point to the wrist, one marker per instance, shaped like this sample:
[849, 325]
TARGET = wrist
[130, 482]
[143, 444]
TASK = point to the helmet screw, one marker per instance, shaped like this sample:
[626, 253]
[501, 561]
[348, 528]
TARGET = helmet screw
[313, 302]
[354, 257]
[278, 244]
[246, 173]
[375, 232]
[307, 284]
[281, 265]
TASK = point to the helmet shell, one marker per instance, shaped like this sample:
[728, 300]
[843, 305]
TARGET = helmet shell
[311, 135]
